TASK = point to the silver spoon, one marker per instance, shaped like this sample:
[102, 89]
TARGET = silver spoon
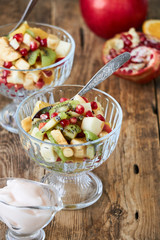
[106, 71]
[27, 11]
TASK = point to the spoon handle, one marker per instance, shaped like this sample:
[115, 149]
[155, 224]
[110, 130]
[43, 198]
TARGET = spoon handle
[27, 11]
[105, 72]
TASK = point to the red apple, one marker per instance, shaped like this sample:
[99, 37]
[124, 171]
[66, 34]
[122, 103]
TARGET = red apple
[108, 17]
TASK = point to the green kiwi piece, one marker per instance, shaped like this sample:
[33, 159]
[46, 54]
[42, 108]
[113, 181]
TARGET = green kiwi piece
[32, 57]
[48, 56]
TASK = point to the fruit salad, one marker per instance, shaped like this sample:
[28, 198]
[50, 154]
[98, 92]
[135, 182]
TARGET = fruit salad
[26, 49]
[67, 122]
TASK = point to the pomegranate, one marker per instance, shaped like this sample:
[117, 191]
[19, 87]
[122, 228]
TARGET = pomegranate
[144, 64]
[89, 114]
[43, 42]
[108, 17]
[79, 109]
[24, 51]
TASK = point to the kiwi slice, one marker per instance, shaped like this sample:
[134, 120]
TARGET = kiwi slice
[32, 57]
[48, 56]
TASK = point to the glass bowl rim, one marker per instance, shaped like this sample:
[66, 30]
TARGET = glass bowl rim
[68, 145]
[50, 66]
[30, 207]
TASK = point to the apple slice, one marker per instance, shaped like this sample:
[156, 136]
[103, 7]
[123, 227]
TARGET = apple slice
[92, 124]
[62, 49]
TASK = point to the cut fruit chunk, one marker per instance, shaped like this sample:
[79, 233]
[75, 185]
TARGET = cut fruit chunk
[62, 49]
[71, 131]
[39, 105]
[32, 57]
[8, 54]
[80, 99]
[27, 123]
[22, 64]
[15, 77]
[79, 151]
[39, 32]
[48, 152]
[152, 27]
[21, 29]
[52, 41]
[48, 57]
[14, 43]
[92, 124]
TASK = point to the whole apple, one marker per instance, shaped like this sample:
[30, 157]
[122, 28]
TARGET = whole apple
[108, 17]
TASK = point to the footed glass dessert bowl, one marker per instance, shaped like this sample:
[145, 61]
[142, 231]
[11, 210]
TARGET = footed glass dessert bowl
[72, 176]
[33, 69]
[26, 207]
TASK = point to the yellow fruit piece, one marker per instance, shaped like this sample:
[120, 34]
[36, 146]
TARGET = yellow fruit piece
[39, 105]
[152, 27]
[21, 29]
[39, 32]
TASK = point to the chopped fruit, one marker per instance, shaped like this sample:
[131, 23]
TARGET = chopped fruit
[152, 27]
[43, 42]
[59, 125]
[38, 39]
[33, 45]
[14, 43]
[54, 114]
[89, 114]
[79, 98]
[24, 51]
[62, 49]
[73, 120]
[63, 99]
[107, 128]
[22, 29]
[40, 83]
[6, 73]
[29, 48]
[41, 125]
[22, 64]
[79, 109]
[26, 123]
[8, 54]
[85, 99]
[94, 105]
[92, 124]
[18, 37]
[100, 117]
[52, 41]
[64, 122]
[7, 64]
[44, 115]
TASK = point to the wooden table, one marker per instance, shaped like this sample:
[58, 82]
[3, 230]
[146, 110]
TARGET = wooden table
[130, 205]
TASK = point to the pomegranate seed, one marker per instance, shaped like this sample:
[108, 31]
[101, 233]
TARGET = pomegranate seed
[7, 64]
[94, 105]
[43, 42]
[85, 99]
[24, 51]
[89, 114]
[33, 46]
[80, 135]
[58, 159]
[64, 122]
[129, 71]
[38, 39]
[48, 73]
[54, 114]
[107, 128]
[18, 37]
[151, 56]
[63, 99]
[73, 120]
[44, 115]
[5, 73]
[112, 53]
[58, 59]
[9, 85]
[18, 86]
[40, 83]
[79, 109]
[100, 117]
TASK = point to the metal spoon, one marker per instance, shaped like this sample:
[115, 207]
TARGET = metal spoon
[27, 11]
[106, 71]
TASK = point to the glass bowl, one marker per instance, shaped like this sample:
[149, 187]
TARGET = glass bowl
[78, 186]
[53, 75]
[27, 222]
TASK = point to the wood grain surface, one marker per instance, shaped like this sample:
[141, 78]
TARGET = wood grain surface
[130, 205]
